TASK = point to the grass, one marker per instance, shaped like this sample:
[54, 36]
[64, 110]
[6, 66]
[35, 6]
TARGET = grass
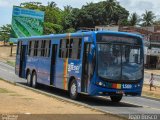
[3, 90]
[15, 94]
[11, 63]
[1, 79]
[152, 95]
[28, 99]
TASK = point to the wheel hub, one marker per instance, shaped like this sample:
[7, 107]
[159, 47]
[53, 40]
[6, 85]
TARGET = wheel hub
[73, 89]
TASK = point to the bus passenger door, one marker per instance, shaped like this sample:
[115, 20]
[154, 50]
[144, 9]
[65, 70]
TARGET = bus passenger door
[85, 68]
[53, 63]
[22, 61]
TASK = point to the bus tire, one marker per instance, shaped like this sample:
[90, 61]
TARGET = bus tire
[34, 80]
[116, 98]
[29, 83]
[73, 90]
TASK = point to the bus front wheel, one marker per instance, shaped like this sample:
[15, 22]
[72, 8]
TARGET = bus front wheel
[116, 98]
[73, 90]
[34, 80]
[29, 79]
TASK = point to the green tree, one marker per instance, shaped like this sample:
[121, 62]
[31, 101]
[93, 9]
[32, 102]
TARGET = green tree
[148, 18]
[31, 5]
[134, 19]
[101, 13]
[90, 15]
[50, 28]
[5, 32]
[110, 8]
[53, 15]
[157, 22]
[67, 17]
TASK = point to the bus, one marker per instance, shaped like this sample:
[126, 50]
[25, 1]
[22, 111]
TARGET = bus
[96, 63]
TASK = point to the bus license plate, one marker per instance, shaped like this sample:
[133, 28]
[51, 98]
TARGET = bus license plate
[119, 92]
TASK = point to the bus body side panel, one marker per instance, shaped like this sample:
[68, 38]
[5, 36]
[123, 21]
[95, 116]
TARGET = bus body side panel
[59, 73]
[32, 64]
[17, 64]
[66, 68]
[43, 72]
[75, 70]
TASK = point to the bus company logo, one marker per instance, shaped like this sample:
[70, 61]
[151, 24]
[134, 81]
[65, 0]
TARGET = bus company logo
[72, 67]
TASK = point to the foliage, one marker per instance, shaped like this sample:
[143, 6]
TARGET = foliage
[134, 19]
[148, 18]
[5, 31]
[70, 30]
[157, 22]
[10, 43]
[69, 19]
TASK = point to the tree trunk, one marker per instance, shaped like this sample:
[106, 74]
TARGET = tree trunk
[11, 50]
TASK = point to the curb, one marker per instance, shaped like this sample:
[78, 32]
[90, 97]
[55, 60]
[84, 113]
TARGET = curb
[151, 98]
[65, 99]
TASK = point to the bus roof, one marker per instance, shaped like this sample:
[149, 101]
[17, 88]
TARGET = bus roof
[79, 34]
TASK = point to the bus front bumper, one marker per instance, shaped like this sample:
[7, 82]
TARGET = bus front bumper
[97, 90]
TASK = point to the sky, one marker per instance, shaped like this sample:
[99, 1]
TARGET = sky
[138, 6]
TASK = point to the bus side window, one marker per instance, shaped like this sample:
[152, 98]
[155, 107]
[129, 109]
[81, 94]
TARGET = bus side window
[79, 48]
[47, 48]
[32, 48]
[29, 48]
[43, 47]
[69, 48]
[35, 48]
[19, 47]
[76, 48]
[39, 48]
[63, 48]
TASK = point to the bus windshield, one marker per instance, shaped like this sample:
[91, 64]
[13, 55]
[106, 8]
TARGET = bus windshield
[119, 61]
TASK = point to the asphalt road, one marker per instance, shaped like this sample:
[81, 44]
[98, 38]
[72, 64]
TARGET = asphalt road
[128, 105]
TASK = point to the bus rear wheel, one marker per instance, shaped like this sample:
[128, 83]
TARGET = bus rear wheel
[29, 79]
[34, 80]
[116, 98]
[73, 90]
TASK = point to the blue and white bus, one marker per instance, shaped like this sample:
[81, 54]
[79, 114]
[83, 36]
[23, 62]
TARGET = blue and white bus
[99, 63]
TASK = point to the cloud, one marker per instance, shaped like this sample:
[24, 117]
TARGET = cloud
[140, 6]
[144, 5]
[4, 3]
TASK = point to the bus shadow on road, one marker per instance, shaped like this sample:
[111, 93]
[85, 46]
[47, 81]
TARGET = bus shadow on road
[85, 99]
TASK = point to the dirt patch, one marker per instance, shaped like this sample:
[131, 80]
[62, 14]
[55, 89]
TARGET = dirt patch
[155, 72]
[153, 94]
[5, 53]
[18, 100]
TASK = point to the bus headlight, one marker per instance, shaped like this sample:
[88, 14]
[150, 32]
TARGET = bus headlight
[101, 84]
